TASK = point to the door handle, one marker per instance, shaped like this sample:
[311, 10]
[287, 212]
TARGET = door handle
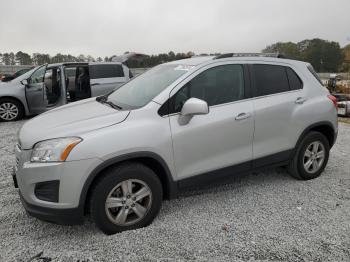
[300, 100]
[95, 84]
[242, 116]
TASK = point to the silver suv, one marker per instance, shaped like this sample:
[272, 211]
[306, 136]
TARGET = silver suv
[180, 124]
[49, 86]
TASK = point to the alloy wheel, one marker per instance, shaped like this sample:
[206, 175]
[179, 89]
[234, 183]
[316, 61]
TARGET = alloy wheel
[8, 111]
[128, 202]
[314, 157]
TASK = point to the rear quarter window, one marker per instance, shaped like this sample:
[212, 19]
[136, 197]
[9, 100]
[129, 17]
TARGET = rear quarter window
[269, 79]
[295, 82]
[106, 71]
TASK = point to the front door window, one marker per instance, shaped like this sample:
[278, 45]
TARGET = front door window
[37, 76]
[217, 85]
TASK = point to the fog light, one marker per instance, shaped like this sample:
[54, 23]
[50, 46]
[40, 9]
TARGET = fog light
[48, 190]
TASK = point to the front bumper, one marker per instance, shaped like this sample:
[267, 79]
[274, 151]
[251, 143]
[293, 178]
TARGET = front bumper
[71, 216]
[70, 176]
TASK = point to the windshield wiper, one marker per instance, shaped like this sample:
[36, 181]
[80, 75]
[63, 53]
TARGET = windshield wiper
[111, 104]
[103, 100]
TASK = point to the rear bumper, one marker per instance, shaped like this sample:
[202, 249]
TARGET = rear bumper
[69, 216]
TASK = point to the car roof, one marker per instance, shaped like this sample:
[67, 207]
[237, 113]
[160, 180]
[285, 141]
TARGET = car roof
[82, 63]
[194, 61]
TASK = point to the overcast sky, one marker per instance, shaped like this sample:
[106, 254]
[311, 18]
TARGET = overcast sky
[108, 27]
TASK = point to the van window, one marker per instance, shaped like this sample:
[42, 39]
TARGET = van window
[269, 79]
[106, 71]
[38, 76]
[70, 71]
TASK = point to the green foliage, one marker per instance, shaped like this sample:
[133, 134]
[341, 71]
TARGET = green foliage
[154, 60]
[6, 58]
[23, 58]
[325, 56]
[288, 49]
[39, 59]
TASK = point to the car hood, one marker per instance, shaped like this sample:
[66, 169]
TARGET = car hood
[70, 120]
[7, 86]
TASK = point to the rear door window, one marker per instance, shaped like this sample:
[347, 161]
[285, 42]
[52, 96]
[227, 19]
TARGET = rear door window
[106, 71]
[269, 79]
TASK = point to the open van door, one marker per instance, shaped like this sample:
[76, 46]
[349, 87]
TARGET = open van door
[55, 86]
[35, 91]
[106, 77]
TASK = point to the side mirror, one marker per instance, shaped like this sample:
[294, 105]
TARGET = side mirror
[194, 106]
[24, 82]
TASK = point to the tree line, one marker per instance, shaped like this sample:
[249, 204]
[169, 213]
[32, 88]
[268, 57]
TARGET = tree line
[22, 58]
[325, 56]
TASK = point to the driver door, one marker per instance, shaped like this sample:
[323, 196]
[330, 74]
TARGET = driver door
[219, 143]
[35, 91]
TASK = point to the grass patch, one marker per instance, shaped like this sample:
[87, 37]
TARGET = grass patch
[345, 120]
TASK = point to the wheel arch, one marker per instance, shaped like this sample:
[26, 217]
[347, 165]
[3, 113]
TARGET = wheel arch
[326, 128]
[24, 107]
[149, 159]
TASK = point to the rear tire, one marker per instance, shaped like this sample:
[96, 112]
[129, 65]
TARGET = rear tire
[311, 157]
[127, 196]
[10, 110]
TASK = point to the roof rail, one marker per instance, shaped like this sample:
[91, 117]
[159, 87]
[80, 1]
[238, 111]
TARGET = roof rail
[277, 55]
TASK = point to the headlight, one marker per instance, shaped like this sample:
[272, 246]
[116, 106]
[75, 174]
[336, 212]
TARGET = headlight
[54, 150]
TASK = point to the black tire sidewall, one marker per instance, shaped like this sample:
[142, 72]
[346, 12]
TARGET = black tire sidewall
[17, 104]
[312, 137]
[110, 179]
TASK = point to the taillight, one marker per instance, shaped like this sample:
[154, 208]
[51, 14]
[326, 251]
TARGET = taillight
[334, 100]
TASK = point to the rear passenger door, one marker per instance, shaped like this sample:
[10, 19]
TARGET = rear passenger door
[105, 77]
[278, 95]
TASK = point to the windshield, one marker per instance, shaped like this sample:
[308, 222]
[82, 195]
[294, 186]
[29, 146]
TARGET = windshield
[26, 75]
[142, 89]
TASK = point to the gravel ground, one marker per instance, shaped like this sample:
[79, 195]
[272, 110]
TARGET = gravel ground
[266, 216]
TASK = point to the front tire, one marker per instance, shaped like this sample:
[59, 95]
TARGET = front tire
[311, 157]
[10, 110]
[128, 196]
